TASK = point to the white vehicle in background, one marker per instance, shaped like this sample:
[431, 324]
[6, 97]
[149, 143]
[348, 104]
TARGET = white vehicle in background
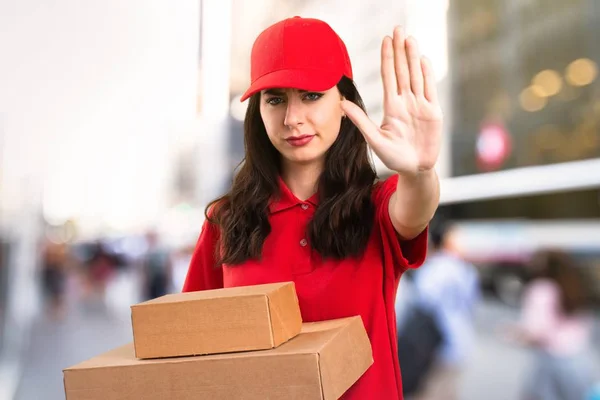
[501, 246]
[501, 250]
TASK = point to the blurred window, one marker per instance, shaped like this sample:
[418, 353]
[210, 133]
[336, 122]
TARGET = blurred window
[532, 66]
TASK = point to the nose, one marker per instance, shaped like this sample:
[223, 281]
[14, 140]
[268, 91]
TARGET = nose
[294, 113]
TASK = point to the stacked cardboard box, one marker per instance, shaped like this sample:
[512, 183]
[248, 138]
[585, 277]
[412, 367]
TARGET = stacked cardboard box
[246, 342]
[217, 321]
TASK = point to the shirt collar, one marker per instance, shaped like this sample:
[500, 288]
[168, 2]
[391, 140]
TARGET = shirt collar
[287, 199]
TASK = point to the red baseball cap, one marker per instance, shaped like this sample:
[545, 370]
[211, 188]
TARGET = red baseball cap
[299, 53]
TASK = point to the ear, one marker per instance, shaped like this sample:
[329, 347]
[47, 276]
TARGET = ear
[342, 98]
[343, 114]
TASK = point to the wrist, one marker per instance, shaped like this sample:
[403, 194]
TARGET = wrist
[416, 175]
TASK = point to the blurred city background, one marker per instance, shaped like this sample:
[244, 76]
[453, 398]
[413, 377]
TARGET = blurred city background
[119, 121]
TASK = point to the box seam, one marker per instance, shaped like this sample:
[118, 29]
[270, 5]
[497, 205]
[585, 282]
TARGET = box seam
[271, 330]
[320, 375]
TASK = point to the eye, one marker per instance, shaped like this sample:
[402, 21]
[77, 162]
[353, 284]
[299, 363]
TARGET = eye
[274, 100]
[312, 96]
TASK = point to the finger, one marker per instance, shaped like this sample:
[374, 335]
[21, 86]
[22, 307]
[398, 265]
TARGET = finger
[361, 120]
[388, 76]
[400, 61]
[414, 65]
[430, 86]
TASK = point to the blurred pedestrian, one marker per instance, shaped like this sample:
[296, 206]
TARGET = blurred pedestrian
[181, 263]
[306, 205]
[101, 267]
[54, 277]
[556, 324]
[156, 269]
[446, 290]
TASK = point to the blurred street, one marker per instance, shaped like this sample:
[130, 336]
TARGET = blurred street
[87, 330]
[494, 372]
[497, 367]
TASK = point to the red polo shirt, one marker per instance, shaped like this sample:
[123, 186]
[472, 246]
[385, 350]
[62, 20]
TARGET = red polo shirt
[364, 286]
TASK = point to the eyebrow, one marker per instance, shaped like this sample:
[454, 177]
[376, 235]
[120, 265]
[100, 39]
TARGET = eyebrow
[279, 92]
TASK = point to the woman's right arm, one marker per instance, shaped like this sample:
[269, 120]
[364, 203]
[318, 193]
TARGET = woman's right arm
[203, 273]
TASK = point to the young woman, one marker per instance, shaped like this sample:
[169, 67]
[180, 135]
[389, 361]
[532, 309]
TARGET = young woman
[305, 205]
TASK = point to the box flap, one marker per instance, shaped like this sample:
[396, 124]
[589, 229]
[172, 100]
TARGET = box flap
[326, 325]
[215, 294]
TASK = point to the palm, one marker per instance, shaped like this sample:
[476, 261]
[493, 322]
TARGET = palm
[408, 139]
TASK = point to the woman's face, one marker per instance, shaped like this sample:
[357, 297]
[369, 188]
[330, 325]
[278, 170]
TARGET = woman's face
[301, 125]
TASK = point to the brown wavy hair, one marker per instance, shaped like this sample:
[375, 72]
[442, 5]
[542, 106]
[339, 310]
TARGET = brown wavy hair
[344, 218]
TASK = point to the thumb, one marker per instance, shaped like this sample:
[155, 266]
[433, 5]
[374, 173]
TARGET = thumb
[361, 120]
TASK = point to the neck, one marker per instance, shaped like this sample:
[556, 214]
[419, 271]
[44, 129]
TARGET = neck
[301, 179]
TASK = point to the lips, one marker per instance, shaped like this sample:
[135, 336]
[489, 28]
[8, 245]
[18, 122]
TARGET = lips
[297, 141]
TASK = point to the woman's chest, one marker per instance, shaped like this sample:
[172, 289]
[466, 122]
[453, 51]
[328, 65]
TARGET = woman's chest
[326, 288]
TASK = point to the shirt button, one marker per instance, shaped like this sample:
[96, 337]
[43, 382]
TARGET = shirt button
[304, 206]
[303, 242]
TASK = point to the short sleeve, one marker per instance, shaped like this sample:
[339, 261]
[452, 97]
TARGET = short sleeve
[203, 273]
[404, 254]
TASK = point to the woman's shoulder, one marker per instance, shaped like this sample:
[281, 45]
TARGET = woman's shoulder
[215, 208]
[213, 214]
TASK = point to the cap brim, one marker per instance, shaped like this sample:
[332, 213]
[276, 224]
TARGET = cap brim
[310, 80]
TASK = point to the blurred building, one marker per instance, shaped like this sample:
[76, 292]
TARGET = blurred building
[530, 68]
[525, 139]
[525, 93]
[93, 98]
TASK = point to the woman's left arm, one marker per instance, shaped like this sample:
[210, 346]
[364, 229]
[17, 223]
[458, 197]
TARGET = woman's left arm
[408, 139]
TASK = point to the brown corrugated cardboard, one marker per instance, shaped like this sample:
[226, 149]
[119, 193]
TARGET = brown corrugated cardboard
[320, 363]
[216, 321]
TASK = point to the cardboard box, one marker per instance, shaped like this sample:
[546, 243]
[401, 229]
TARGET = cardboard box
[322, 362]
[216, 321]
